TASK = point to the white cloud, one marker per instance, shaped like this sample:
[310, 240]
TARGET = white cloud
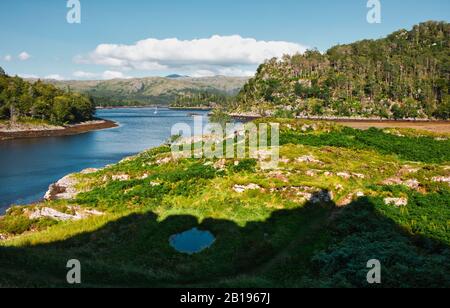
[226, 55]
[114, 75]
[8, 58]
[55, 77]
[106, 75]
[24, 56]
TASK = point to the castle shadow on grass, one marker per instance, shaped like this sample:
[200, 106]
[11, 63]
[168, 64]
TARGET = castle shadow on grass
[313, 246]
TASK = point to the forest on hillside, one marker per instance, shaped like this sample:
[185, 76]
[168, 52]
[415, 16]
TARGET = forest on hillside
[21, 100]
[405, 75]
[201, 99]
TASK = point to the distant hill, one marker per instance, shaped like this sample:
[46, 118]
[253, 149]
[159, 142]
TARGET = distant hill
[405, 75]
[174, 76]
[151, 90]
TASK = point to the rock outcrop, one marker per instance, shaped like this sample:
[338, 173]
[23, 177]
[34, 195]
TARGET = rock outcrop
[64, 189]
[243, 188]
[78, 214]
[398, 202]
[441, 179]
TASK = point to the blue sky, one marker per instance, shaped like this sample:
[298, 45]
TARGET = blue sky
[52, 47]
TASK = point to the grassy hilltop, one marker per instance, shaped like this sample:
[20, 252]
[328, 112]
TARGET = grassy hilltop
[339, 198]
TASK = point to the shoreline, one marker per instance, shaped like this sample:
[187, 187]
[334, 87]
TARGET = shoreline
[129, 107]
[69, 130]
[436, 126]
[191, 108]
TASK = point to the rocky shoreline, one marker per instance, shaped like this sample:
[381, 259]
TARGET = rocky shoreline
[54, 131]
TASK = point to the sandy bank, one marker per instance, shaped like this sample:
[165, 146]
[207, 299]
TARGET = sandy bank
[27, 131]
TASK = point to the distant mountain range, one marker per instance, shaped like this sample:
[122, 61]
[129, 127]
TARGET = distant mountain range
[151, 90]
[176, 76]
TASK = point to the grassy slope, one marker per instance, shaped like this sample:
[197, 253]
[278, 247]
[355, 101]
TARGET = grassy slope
[267, 237]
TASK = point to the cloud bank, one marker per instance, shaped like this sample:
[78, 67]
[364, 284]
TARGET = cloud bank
[226, 55]
[106, 75]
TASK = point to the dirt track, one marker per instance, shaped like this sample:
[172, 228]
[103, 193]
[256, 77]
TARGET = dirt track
[437, 127]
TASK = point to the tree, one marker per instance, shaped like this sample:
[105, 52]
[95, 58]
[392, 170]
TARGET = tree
[21, 99]
[398, 112]
[408, 68]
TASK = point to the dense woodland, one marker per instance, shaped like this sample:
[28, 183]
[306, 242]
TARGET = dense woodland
[22, 100]
[405, 75]
[201, 99]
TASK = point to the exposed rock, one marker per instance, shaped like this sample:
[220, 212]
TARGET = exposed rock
[91, 213]
[392, 181]
[328, 173]
[144, 176]
[441, 179]
[398, 202]
[311, 173]
[56, 215]
[3, 237]
[120, 177]
[285, 160]
[208, 163]
[346, 201]
[220, 164]
[344, 175]
[350, 198]
[279, 176]
[358, 175]
[339, 187]
[306, 128]
[64, 189]
[155, 184]
[243, 188]
[263, 154]
[89, 171]
[164, 161]
[413, 183]
[360, 194]
[308, 159]
[305, 193]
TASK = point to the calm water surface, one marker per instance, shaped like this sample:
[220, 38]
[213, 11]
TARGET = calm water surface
[192, 241]
[29, 166]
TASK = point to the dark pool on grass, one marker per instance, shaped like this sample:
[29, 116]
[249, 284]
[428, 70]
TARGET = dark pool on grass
[192, 241]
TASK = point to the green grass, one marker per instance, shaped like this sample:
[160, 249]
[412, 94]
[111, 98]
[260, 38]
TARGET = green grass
[421, 149]
[268, 237]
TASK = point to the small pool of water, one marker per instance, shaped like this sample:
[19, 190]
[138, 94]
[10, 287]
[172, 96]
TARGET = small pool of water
[192, 241]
